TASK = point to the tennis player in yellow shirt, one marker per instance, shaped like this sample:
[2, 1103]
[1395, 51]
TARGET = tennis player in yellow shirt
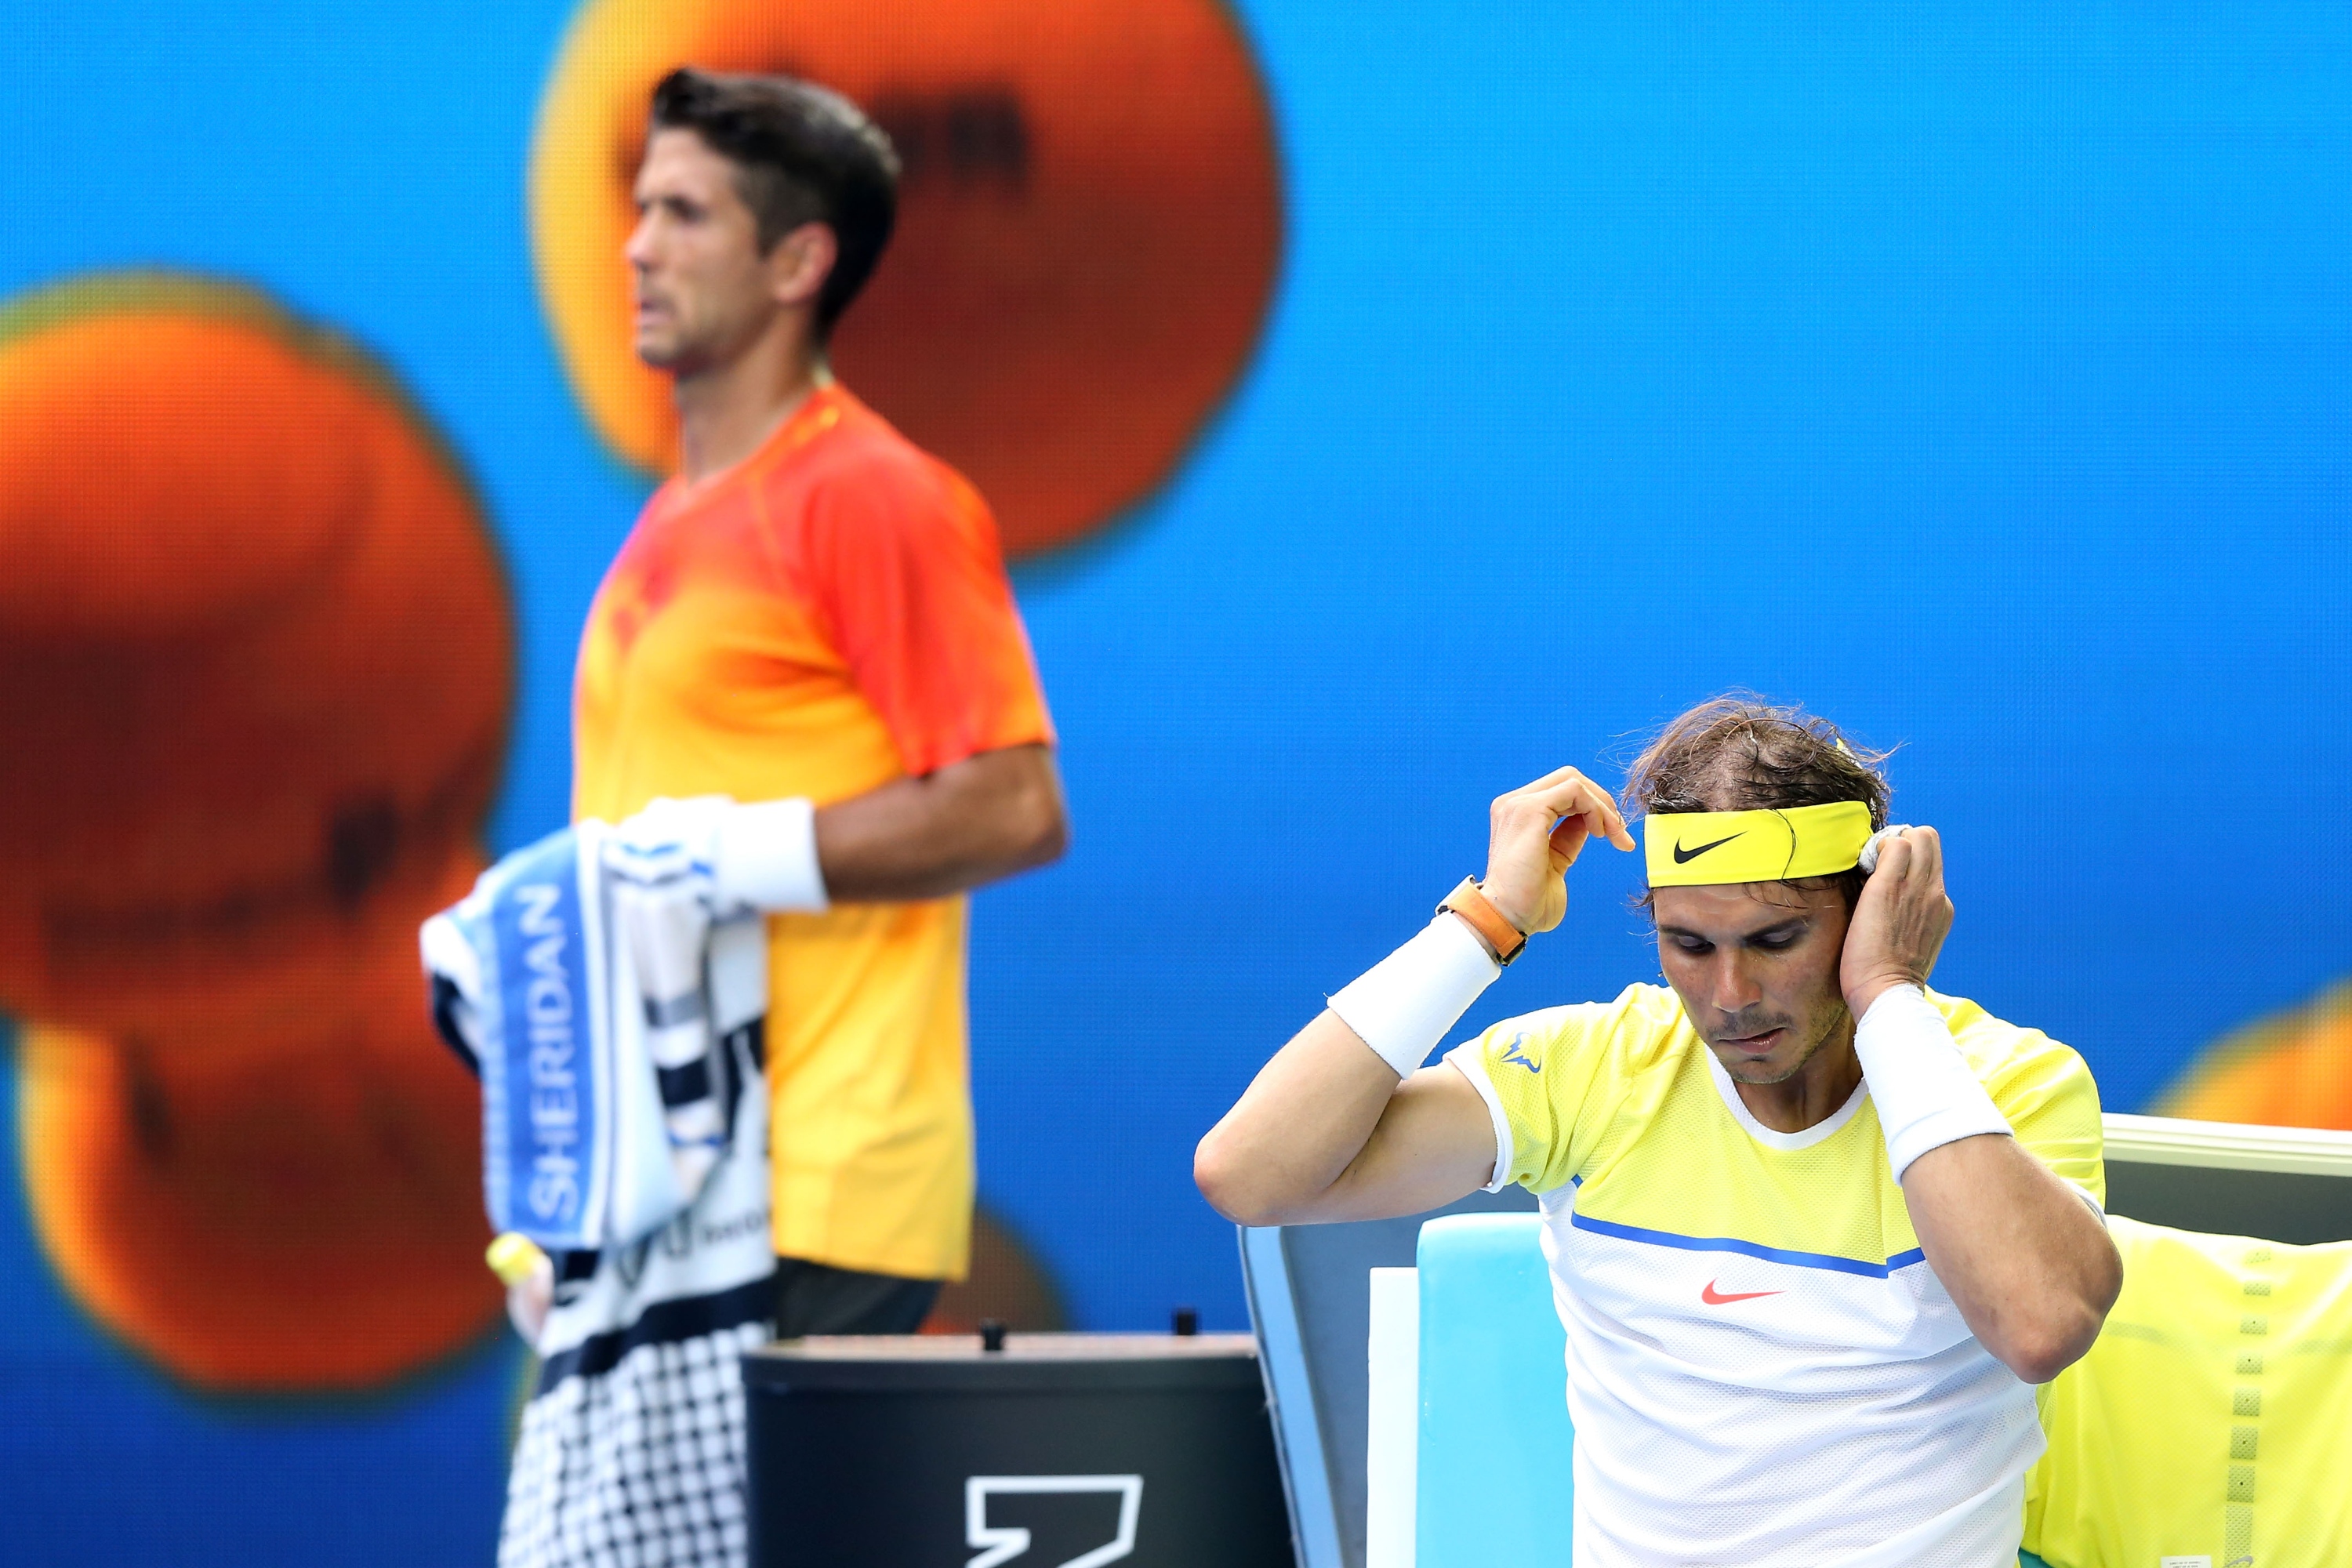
[1814, 1230]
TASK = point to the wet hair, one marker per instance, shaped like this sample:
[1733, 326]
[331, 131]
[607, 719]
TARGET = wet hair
[803, 153]
[1740, 752]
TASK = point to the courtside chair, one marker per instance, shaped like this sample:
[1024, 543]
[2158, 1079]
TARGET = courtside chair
[1492, 1419]
[2213, 1421]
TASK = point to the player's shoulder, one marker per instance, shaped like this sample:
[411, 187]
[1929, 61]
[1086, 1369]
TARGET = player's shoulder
[862, 457]
[1548, 1074]
[2003, 1053]
[1640, 1027]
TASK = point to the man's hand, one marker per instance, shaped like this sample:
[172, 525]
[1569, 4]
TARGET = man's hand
[529, 1299]
[1900, 923]
[1535, 835]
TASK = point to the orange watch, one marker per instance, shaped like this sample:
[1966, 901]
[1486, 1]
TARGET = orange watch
[1505, 939]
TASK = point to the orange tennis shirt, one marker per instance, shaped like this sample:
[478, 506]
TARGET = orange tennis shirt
[828, 615]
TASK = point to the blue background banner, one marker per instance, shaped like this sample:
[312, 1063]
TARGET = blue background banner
[1978, 377]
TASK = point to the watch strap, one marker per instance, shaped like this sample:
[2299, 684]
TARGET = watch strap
[1470, 903]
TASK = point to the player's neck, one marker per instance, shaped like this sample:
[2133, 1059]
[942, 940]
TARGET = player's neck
[728, 412]
[1811, 1095]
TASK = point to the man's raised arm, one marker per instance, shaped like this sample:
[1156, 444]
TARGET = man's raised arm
[1339, 1125]
[2026, 1262]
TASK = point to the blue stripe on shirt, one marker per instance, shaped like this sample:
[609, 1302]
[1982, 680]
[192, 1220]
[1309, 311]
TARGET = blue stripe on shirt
[1749, 1249]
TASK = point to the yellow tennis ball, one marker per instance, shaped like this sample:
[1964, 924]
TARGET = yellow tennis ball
[514, 1257]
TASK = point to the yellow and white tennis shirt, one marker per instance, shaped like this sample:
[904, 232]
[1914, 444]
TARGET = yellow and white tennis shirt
[1762, 1369]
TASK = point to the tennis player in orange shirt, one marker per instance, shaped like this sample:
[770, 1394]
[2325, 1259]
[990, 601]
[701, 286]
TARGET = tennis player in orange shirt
[813, 610]
[810, 619]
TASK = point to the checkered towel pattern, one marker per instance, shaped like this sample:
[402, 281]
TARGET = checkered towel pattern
[631, 1452]
[640, 1465]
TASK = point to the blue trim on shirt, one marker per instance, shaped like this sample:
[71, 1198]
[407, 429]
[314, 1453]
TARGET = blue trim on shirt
[1749, 1249]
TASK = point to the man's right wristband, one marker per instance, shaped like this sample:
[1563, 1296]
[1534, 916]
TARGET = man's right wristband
[763, 857]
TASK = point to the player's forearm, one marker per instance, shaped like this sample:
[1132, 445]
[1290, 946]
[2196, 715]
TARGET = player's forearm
[1340, 1125]
[970, 822]
[1276, 1155]
[1327, 1133]
[2025, 1259]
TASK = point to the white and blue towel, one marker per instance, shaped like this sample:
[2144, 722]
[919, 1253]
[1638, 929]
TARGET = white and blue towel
[593, 978]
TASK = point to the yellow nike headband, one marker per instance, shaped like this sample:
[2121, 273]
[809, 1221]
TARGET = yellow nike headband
[1707, 848]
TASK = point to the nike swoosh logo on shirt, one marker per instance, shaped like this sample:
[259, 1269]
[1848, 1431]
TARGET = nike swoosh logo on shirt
[1683, 856]
[1714, 1298]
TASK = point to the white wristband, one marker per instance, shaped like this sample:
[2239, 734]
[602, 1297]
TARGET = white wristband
[1403, 1005]
[1926, 1094]
[763, 857]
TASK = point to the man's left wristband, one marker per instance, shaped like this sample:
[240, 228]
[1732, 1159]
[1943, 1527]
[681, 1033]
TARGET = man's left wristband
[1926, 1093]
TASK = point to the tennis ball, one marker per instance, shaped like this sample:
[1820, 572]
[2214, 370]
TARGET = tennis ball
[1089, 228]
[258, 656]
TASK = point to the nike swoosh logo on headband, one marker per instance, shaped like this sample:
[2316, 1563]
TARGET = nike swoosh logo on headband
[1683, 856]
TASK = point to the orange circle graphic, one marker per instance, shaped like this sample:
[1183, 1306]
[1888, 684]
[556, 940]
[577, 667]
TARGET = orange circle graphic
[260, 665]
[292, 1208]
[2291, 1070]
[259, 657]
[1089, 226]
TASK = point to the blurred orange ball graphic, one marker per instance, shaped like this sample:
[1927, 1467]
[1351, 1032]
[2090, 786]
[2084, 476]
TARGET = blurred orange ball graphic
[2292, 1069]
[258, 659]
[1089, 229]
[258, 671]
[276, 1210]
[1007, 1280]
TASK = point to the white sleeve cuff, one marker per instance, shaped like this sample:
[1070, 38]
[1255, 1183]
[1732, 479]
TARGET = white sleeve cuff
[1926, 1093]
[1471, 1062]
[1403, 1005]
[763, 857]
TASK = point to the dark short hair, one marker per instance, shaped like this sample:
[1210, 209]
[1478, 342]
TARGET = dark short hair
[804, 154]
[1740, 752]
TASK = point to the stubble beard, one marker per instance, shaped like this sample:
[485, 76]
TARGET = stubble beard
[1747, 1071]
[683, 352]
[666, 354]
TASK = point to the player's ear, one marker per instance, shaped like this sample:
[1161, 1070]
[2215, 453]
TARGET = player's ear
[800, 262]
